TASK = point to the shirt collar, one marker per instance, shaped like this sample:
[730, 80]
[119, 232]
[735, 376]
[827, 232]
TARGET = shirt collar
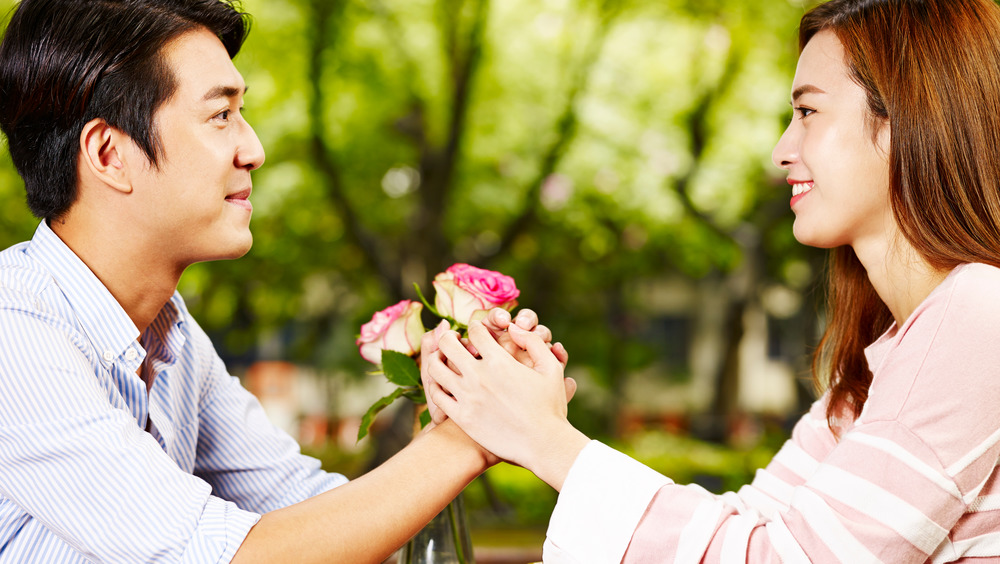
[101, 317]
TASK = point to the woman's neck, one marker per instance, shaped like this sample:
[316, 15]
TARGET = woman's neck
[901, 277]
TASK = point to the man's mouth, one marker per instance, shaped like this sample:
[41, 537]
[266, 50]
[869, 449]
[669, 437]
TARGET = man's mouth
[241, 199]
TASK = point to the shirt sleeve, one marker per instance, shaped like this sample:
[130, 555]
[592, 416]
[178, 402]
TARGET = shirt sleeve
[84, 469]
[245, 457]
[601, 502]
[891, 488]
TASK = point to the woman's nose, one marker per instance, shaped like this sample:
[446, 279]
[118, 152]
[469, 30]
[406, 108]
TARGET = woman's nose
[786, 151]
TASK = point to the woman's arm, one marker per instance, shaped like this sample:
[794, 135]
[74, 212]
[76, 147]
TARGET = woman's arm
[892, 488]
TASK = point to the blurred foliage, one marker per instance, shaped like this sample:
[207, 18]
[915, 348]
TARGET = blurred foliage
[581, 146]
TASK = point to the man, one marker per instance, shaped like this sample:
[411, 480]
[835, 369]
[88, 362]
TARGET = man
[122, 437]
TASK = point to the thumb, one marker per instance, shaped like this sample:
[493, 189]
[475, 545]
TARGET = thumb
[429, 348]
[429, 342]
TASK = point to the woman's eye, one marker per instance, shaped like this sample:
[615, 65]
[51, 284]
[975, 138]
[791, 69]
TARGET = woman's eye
[804, 112]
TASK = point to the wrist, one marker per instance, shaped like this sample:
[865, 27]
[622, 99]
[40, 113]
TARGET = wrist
[554, 456]
[462, 444]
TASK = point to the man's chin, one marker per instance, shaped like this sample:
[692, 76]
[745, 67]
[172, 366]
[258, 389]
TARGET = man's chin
[235, 251]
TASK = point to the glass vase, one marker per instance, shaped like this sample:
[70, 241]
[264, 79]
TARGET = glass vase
[445, 540]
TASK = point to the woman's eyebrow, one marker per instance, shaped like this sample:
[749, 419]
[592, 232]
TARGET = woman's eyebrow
[806, 89]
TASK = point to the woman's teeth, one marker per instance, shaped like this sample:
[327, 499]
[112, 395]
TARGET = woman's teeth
[802, 188]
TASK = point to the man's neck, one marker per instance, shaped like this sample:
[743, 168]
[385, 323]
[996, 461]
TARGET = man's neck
[140, 283]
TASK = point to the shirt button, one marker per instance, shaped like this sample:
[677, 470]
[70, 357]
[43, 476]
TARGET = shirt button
[131, 354]
[109, 356]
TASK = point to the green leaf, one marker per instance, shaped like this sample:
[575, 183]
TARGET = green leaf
[425, 418]
[400, 369]
[416, 395]
[369, 416]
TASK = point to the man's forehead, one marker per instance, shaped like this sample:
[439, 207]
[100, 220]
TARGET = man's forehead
[202, 67]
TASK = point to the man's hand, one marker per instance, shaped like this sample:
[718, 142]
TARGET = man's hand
[499, 320]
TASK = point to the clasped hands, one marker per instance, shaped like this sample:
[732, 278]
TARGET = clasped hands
[504, 385]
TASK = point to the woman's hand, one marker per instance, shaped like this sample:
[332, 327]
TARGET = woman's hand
[497, 321]
[513, 410]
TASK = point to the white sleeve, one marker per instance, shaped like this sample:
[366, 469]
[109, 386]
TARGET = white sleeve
[602, 501]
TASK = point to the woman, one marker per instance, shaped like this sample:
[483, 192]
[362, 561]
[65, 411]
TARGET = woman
[893, 156]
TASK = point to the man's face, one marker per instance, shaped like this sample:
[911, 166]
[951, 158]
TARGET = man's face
[195, 205]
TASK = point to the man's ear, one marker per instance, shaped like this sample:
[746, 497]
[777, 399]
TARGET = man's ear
[100, 148]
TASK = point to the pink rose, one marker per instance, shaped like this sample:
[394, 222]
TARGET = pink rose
[396, 328]
[463, 291]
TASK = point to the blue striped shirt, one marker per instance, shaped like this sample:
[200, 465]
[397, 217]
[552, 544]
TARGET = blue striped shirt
[94, 469]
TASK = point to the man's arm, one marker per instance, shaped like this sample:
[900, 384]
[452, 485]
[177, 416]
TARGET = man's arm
[368, 518]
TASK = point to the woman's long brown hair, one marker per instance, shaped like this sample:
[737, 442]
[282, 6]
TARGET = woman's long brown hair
[931, 71]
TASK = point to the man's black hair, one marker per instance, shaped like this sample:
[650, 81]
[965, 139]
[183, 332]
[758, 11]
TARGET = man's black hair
[64, 63]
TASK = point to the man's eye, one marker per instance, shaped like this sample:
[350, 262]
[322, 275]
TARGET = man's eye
[224, 115]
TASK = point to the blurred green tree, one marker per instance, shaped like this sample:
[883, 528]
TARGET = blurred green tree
[585, 147]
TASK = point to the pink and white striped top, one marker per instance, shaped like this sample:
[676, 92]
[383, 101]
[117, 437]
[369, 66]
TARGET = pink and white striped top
[913, 479]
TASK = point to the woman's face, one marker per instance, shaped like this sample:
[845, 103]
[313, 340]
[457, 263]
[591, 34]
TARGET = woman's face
[838, 172]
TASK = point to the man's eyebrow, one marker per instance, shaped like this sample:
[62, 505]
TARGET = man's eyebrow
[806, 89]
[224, 92]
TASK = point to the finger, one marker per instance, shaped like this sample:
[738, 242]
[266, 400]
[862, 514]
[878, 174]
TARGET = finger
[497, 320]
[542, 331]
[429, 348]
[483, 340]
[431, 388]
[440, 330]
[561, 354]
[457, 353]
[443, 375]
[523, 357]
[526, 319]
[514, 350]
[470, 347]
[538, 349]
[425, 378]
[429, 342]
[451, 365]
[446, 403]
[570, 388]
